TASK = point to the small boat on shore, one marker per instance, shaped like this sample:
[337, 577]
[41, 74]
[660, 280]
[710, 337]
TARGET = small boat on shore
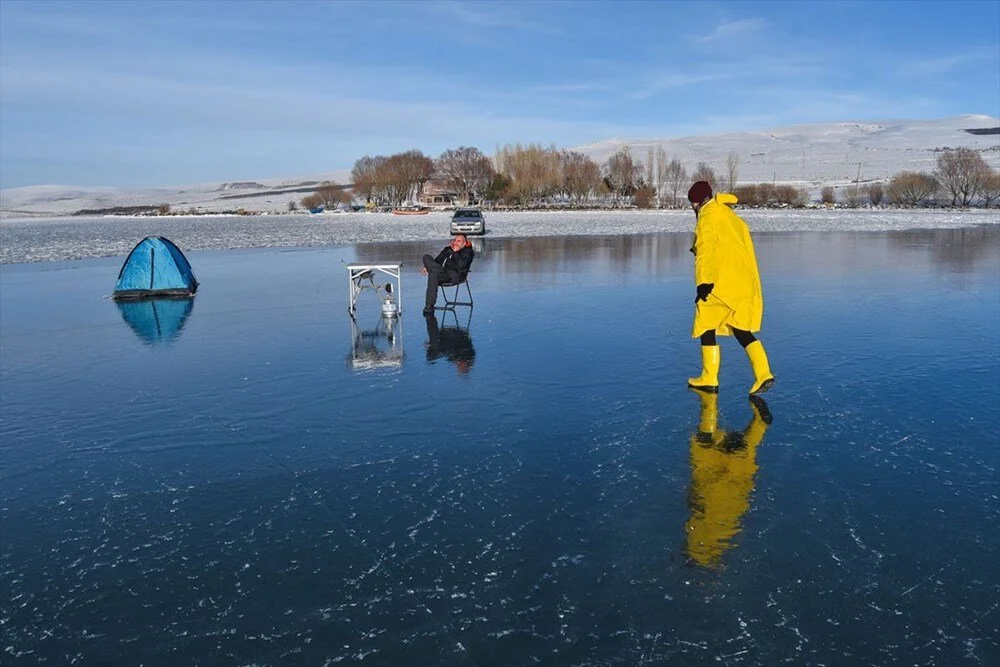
[410, 211]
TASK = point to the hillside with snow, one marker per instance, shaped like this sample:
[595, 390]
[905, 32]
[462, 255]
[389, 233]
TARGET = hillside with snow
[825, 153]
[809, 156]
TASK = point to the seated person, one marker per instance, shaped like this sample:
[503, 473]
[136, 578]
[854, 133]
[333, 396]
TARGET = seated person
[448, 268]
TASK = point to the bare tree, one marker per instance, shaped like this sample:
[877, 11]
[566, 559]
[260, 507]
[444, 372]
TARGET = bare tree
[309, 202]
[705, 173]
[911, 188]
[644, 196]
[621, 173]
[662, 179]
[732, 170]
[961, 172]
[364, 176]
[581, 177]
[410, 170]
[852, 195]
[991, 188]
[467, 169]
[331, 194]
[651, 169]
[676, 179]
[876, 193]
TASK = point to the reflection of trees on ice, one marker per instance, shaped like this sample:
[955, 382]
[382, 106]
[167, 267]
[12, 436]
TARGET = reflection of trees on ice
[376, 347]
[958, 249]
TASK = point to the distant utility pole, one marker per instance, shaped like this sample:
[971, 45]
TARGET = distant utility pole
[857, 181]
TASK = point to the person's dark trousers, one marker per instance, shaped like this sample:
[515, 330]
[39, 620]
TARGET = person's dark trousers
[435, 276]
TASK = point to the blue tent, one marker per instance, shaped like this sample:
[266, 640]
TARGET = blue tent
[156, 320]
[155, 267]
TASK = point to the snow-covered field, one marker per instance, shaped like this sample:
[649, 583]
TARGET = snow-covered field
[53, 239]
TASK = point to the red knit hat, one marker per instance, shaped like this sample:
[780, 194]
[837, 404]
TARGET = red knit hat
[699, 192]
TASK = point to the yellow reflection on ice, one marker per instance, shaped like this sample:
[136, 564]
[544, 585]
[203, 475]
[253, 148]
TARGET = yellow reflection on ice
[723, 465]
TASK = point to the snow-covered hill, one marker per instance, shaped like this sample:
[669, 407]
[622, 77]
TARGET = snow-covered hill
[824, 153]
[810, 156]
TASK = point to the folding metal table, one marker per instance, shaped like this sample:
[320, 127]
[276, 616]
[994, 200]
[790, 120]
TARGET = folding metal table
[361, 277]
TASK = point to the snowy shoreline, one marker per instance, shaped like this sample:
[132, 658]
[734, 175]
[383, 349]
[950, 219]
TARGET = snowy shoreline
[29, 240]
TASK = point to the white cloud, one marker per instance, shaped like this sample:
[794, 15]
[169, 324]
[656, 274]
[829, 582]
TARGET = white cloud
[733, 29]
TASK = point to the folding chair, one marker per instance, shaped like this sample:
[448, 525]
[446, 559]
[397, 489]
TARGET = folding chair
[450, 303]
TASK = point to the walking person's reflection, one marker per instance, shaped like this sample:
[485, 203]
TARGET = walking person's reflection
[452, 343]
[723, 465]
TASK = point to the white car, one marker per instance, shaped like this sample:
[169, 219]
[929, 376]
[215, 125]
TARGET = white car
[468, 221]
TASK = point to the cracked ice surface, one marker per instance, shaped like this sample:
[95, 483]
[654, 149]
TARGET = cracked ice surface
[235, 491]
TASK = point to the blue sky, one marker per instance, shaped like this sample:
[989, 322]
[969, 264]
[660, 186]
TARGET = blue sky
[133, 94]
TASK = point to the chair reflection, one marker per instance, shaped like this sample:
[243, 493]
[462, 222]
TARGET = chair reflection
[156, 321]
[450, 340]
[380, 346]
[723, 465]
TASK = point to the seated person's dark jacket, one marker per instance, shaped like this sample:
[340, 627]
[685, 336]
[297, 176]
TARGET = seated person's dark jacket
[456, 264]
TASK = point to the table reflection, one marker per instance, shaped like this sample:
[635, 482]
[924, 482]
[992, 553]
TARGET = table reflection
[379, 345]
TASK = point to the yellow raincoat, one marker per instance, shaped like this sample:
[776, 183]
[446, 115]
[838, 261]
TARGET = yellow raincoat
[724, 256]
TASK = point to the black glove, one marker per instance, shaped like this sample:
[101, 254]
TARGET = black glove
[704, 290]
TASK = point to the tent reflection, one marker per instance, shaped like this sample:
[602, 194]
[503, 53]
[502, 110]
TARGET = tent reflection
[156, 321]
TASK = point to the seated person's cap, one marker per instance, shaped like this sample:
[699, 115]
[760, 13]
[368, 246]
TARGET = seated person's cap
[699, 192]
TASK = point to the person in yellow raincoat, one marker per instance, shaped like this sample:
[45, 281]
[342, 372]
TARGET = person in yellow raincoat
[723, 466]
[728, 295]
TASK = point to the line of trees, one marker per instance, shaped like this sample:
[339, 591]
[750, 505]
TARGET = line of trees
[962, 178]
[533, 175]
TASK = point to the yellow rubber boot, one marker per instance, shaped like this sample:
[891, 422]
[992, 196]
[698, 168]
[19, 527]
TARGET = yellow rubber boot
[709, 379]
[763, 380]
[708, 417]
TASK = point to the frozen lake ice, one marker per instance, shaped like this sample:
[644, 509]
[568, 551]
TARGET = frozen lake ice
[50, 239]
[526, 483]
